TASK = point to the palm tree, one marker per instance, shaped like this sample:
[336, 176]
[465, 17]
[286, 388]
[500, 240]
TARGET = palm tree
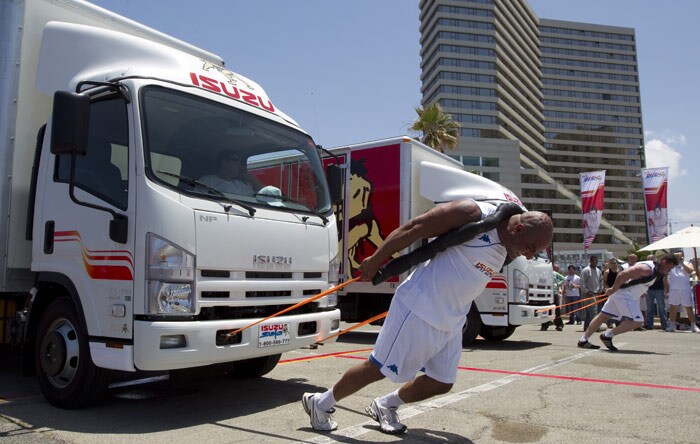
[438, 128]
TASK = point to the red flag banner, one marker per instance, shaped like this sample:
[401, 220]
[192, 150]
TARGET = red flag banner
[592, 190]
[655, 187]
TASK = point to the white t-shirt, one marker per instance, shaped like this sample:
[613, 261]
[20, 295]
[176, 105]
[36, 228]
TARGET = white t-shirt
[568, 286]
[233, 186]
[678, 279]
[440, 291]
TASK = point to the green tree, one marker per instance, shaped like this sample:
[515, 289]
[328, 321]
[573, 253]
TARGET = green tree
[438, 129]
[635, 249]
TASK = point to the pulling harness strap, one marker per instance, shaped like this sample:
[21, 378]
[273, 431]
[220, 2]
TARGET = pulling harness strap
[453, 237]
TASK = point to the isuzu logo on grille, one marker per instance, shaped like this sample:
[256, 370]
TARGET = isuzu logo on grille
[264, 259]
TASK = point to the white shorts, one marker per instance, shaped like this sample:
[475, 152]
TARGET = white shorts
[680, 297]
[407, 345]
[621, 308]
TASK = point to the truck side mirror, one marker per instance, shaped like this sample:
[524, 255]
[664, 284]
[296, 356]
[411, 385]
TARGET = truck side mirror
[334, 176]
[70, 122]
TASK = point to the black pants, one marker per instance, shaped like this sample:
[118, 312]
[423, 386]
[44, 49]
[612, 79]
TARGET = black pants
[557, 315]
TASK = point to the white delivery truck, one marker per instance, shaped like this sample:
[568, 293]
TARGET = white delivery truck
[390, 181]
[120, 233]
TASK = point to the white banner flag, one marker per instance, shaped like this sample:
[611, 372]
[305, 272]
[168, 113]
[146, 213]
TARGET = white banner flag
[592, 191]
[655, 191]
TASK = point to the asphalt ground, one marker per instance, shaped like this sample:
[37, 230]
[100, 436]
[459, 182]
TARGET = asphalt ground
[535, 387]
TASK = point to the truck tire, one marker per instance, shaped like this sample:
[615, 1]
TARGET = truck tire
[255, 367]
[491, 333]
[67, 376]
[472, 327]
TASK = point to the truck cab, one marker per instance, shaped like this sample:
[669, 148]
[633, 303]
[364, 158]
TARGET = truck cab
[142, 254]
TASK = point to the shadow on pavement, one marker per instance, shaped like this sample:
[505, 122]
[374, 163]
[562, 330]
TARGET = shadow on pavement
[172, 404]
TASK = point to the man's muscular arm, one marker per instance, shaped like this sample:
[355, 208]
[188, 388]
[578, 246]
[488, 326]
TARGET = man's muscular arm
[440, 219]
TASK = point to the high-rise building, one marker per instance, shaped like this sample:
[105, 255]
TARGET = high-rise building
[540, 101]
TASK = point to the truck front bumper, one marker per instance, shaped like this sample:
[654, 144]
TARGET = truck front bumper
[200, 347]
[530, 314]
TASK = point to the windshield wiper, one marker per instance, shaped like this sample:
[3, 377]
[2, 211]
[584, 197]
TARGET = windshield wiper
[289, 199]
[217, 193]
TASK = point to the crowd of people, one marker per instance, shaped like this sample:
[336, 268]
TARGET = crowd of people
[582, 295]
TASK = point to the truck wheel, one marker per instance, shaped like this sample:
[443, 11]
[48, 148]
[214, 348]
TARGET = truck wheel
[472, 327]
[491, 333]
[67, 376]
[255, 367]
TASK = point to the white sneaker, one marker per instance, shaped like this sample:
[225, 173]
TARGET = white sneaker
[320, 420]
[671, 328]
[387, 418]
[694, 328]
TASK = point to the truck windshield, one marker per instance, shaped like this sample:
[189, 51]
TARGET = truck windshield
[204, 148]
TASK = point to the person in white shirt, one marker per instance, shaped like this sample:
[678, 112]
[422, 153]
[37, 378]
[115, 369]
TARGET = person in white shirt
[423, 330]
[572, 293]
[591, 286]
[680, 294]
[231, 176]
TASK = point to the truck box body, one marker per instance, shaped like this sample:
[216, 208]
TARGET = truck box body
[123, 233]
[393, 180]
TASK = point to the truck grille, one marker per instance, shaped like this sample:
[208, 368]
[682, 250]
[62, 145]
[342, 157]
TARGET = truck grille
[268, 294]
[229, 313]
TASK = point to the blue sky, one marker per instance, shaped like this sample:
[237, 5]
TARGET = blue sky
[349, 71]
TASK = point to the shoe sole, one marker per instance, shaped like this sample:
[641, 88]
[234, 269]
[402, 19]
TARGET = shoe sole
[372, 414]
[304, 400]
[608, 343]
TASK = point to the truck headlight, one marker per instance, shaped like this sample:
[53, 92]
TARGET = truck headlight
[333, 277]
[170, 274]
[522, 286]
[334, 271]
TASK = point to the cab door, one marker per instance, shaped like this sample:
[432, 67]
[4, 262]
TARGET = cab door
[75, 229]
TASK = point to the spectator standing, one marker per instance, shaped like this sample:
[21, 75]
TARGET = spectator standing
[655, 294]
[679, 293]
[558, 280]
[572, 294]
[591, 286]
[608, 280]
[610, 274]
[631, 260]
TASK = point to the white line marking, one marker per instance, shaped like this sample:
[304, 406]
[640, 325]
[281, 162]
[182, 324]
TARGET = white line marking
[414, 410]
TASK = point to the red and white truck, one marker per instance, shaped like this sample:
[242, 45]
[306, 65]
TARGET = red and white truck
[126, 257]
[390, 181]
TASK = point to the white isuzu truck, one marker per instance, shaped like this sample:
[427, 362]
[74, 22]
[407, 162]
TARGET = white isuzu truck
[119, 233]
[390, 181]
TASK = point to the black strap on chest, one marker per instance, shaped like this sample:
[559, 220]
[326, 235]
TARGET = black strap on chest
[642, 280]
[441, 243]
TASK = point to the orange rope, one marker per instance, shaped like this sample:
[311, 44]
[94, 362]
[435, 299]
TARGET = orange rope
[299, 304]
[372, 319]
[581, 308]
[571, 303]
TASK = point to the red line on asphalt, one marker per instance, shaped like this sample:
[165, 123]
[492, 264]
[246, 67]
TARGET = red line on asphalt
[569, 378]
[574, 378]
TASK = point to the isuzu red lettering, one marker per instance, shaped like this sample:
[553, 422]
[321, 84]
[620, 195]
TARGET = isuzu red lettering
[129, 252]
